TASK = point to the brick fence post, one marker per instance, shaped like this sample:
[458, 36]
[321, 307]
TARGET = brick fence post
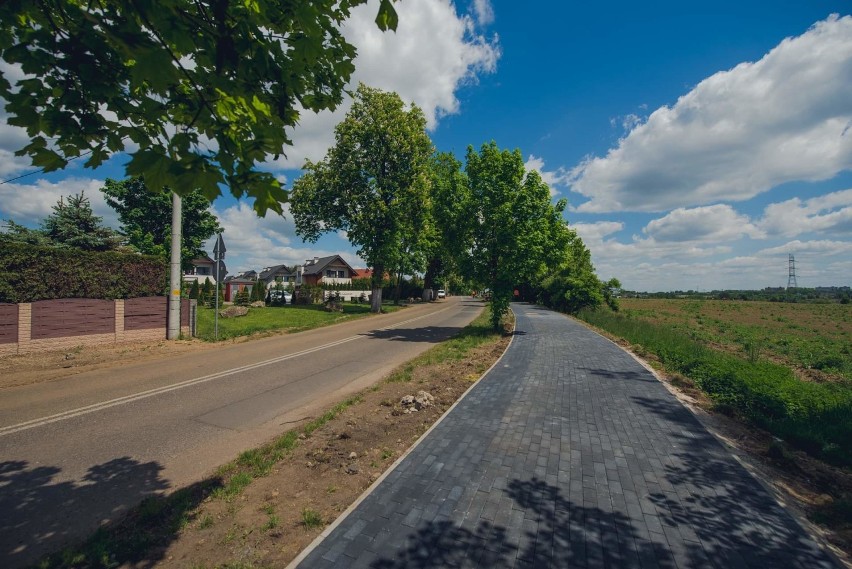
[25, 326]
[119, 320]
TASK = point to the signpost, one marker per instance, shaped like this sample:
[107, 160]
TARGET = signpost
[218, 257]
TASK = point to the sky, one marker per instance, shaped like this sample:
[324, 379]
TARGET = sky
[697, 145]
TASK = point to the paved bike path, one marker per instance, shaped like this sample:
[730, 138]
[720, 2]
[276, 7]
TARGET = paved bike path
[568, 454]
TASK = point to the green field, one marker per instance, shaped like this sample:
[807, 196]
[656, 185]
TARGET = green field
[782, 367]
[289, 318]
[813, 339]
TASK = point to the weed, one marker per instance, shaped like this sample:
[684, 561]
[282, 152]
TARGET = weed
[331, 489]
[386, 454]
[311, 519]
[269, 509]
[205, 522]
[271, 523]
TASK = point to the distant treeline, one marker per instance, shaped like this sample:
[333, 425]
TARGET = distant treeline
[841, 294]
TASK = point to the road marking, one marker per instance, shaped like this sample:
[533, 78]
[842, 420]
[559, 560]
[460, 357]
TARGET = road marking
[70, 414]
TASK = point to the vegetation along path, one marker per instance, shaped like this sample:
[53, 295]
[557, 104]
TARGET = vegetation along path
[568, 453]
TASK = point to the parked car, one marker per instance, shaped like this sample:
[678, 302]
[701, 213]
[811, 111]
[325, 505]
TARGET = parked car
[282, 296]
[442, 293]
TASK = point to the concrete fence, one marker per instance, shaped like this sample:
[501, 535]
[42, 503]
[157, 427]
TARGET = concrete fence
[70, 322]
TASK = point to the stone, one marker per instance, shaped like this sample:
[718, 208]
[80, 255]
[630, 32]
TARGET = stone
[353, 455]
[423, 399]
[407, 400]
[234, 311]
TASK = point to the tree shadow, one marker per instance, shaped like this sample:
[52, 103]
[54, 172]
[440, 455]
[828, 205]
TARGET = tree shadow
[431, 334]
[547, 529]
[638, 375]
[733, 515]
[114, 501]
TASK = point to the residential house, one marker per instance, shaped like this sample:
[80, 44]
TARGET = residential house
[203, 268]
[325, 270]
[276, 274]
[242, 282]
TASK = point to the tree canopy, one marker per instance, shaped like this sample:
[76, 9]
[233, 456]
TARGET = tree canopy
[146, 218]
[72, 224]
[198, 92]
[372, 184]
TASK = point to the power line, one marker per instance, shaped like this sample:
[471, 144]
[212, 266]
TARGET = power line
[42, 170]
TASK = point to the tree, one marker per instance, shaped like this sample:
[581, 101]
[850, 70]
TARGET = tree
[17, 233]
[450, 200]
[74, 224]
[146, 218]
[373, 184]
[512, 223]
[202, 90]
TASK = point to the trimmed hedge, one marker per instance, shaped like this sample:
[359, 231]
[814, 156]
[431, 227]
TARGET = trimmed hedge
[29, 273]
[815, 417]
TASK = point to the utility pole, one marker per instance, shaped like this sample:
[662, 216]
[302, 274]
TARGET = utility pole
[173, 331]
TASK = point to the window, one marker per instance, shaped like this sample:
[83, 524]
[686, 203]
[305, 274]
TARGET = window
[330, 273]
[341, 274]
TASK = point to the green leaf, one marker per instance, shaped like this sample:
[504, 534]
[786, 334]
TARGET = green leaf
[387, 19]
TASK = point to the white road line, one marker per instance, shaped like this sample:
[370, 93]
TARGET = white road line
[33, 423]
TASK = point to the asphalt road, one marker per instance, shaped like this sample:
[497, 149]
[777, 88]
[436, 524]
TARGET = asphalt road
[78, 452]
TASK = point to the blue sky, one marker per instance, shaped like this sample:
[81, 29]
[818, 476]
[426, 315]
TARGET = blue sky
[697, 146]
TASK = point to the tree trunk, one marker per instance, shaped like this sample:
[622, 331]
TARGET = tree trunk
[376, 299]
[398, 288]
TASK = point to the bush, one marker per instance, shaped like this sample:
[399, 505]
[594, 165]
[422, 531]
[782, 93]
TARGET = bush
[29, 273]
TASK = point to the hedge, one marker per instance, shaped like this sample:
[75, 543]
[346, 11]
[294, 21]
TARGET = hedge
[29, 273]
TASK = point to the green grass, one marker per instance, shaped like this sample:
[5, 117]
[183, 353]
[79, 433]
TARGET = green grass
[289, 318]
[815, 417]
[311, 519]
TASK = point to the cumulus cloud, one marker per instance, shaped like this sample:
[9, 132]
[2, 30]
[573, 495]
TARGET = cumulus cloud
[553, 178]
[483, 12]
[738, 133]
[29, 204]
[831, 213]
[820, 247]
[598, 230]
[710, 223]
[256, 242]
[434, 52]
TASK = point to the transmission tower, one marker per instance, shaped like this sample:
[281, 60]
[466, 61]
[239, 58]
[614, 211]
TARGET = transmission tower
[791, 273]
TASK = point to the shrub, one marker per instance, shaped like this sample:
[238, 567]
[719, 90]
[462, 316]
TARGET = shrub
[242, 298]
[29, 273]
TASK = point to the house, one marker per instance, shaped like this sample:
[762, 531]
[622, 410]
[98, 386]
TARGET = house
[325, 270]
[238, 283]
[203, 268]
[278, 274]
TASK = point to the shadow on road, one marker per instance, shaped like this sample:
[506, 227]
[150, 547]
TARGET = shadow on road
[40, 514]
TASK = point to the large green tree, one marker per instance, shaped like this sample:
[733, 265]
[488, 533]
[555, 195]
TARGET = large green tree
[513, 224]
[71, 224]
[198, 92]
[146, 218]
[372, 184]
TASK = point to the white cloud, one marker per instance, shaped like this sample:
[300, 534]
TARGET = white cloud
[738, 133]
[831, 213]
[597, 231]
[821, 248]
[553, 178]
[710, 223]
[433, 52]
[29, 204]
[256, 242]
[483, 11]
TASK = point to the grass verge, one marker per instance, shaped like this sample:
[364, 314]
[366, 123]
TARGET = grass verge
[289, 318]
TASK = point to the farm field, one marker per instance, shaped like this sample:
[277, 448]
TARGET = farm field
[813, 339]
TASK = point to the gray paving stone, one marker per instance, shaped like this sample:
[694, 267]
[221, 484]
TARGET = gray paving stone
[568, 454]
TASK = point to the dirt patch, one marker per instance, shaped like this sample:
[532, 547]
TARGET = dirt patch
[38, 367]
[278, 515]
